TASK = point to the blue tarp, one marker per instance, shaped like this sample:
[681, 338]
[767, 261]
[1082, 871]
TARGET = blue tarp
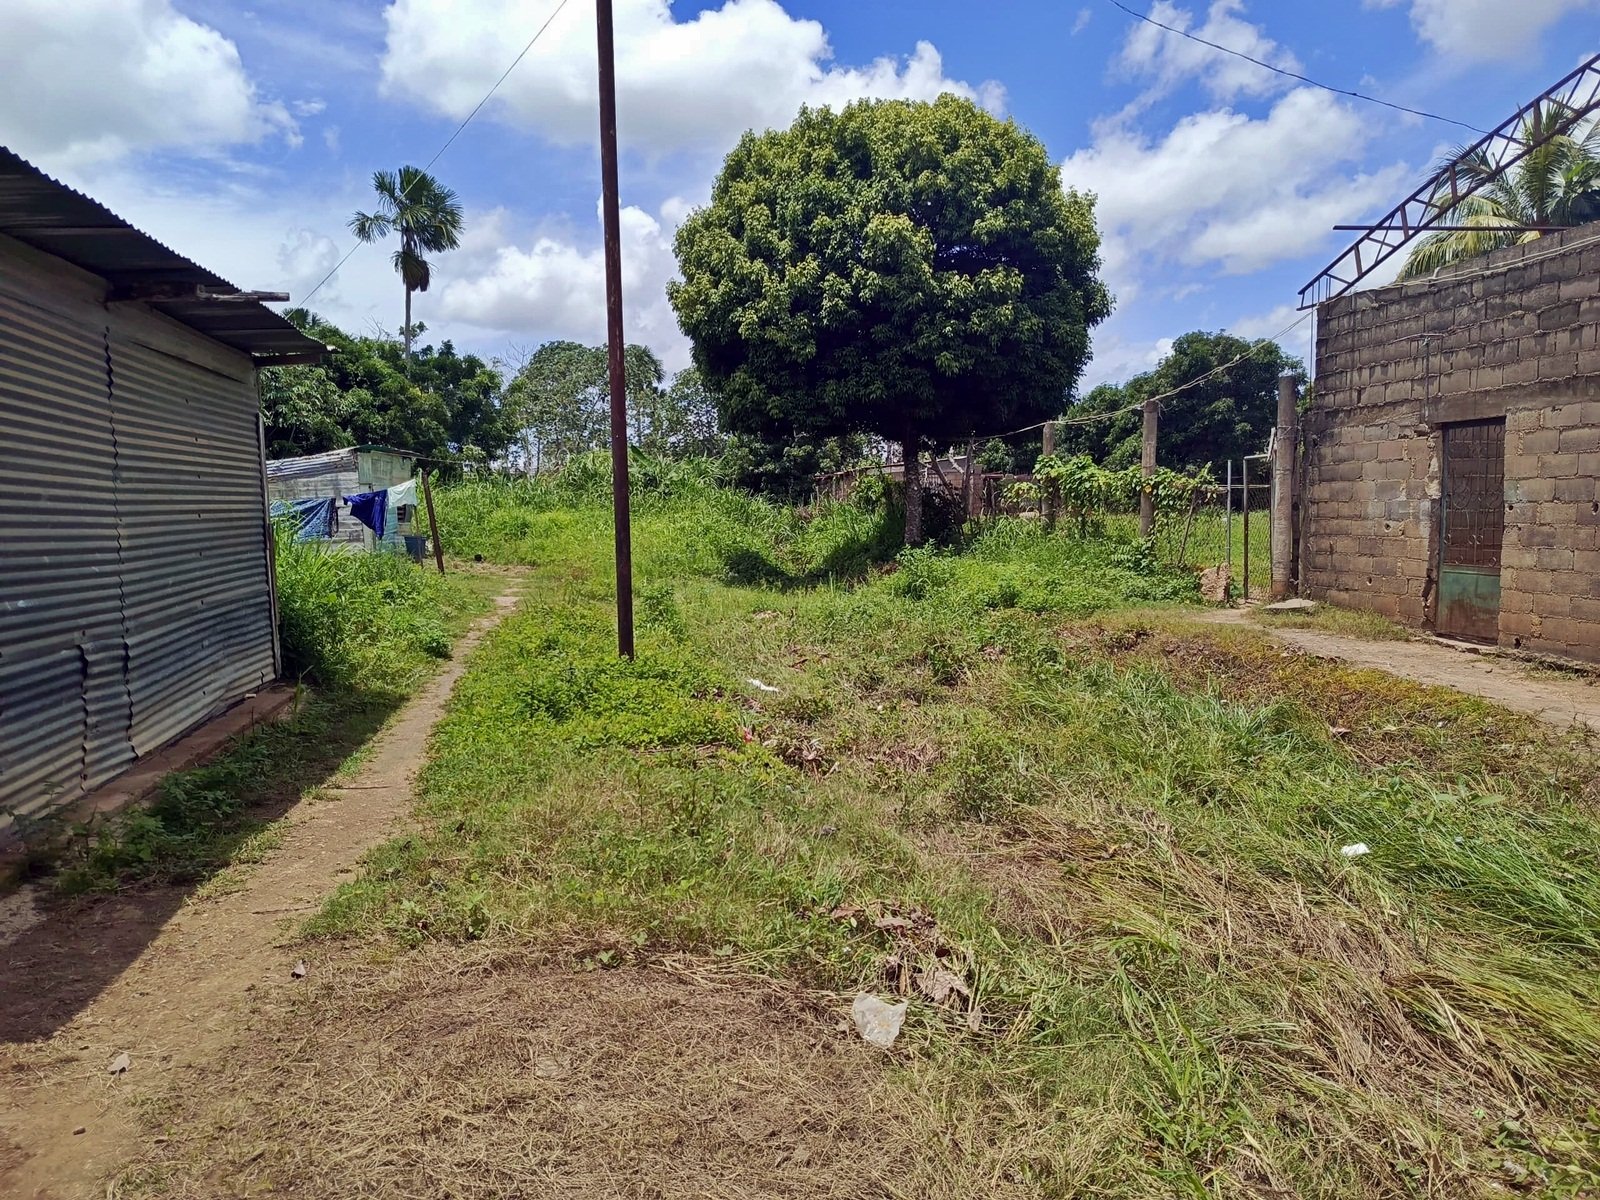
[312, 518]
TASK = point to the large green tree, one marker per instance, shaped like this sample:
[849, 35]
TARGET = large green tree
[1226, 415]
[559, 400]
[427, 217]
[1556, 184]
[441, 404]
[679, 420]
[905, 269]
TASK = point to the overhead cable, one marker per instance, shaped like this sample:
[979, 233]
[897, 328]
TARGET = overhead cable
[504, 75]
[1338, 91]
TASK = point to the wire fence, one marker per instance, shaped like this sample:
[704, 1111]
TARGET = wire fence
[1213, 537]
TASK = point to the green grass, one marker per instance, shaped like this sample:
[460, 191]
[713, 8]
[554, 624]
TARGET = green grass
[371, 622]
[360, 631]
[1208, 542]
[1330, 618]
[1127, 832]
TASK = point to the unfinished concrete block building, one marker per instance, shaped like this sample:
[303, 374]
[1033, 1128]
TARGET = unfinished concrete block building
[1452, 450]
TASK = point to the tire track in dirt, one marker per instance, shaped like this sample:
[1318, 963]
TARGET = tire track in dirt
[198, 968]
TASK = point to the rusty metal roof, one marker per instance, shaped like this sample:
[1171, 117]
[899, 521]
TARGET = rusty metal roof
[50, 216]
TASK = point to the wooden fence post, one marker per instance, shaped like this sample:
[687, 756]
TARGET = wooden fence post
[1147, 470]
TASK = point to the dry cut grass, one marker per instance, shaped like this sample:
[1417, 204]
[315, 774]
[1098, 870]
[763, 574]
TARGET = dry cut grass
[482, 1074]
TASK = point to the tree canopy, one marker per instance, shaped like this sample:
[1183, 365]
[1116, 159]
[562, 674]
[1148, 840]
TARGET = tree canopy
[905, 269]
[1226, 416]
[441, 404]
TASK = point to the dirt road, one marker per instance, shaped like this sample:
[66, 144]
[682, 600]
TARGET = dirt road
[166, 979]
[1560, 700]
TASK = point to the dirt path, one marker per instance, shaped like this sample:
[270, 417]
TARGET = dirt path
[194, 969]
[1558, 700]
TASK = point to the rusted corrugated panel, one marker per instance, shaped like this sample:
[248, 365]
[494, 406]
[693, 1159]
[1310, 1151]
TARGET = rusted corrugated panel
[312, 468]
[195, 582]
[64, 703]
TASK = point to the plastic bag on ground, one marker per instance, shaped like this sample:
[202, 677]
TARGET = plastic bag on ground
[877, 1022]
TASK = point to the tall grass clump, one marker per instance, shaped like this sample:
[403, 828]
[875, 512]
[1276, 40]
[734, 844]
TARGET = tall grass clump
[349, 619]
[687, 522]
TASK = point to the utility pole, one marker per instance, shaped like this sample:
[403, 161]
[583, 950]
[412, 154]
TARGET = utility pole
[621, 522]
[1147, 469]
[1283, 484]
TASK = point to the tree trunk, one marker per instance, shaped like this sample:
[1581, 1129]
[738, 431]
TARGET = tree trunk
[405, 331]
[911, 457]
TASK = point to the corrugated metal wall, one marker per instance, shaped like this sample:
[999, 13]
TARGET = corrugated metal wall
[197, 608]
[134, 590]
[64, 711]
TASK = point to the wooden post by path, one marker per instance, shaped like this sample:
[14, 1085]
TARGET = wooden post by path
[433, 522]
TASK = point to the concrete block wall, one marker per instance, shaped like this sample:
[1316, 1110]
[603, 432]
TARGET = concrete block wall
[1514, 335]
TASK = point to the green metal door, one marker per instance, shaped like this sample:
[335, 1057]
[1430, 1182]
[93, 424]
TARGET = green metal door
[1471, 526]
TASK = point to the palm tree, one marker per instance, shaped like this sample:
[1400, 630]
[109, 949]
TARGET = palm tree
[1556, 184]
[425, 213]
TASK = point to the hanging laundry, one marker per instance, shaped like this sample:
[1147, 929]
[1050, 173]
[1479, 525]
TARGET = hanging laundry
[370, 509]
[316, 518]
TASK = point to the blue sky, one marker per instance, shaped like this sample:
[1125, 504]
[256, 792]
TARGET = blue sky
[245, 134]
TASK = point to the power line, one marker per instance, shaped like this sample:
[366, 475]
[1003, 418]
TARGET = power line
[504, 75]
[1092, 418]
[1416, 112]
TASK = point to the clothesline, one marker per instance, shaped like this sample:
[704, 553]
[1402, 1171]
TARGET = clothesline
[318, 516]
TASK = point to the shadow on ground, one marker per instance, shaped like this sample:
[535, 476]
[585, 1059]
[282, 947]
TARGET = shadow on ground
[135, 871]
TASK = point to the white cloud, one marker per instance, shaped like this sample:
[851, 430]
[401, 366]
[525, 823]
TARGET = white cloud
[555, 288]
[680, 84]
[1169, 60]
[1267, 324]
[1227, 190]
[1485, 30]
[91, 80]
[1081, 23]
[1116, 358]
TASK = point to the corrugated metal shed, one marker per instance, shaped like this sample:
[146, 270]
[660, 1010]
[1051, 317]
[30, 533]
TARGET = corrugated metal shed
[49, 216]
[135, 555]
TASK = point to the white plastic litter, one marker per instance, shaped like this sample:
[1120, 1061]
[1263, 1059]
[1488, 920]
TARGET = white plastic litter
[877, 1022]
[1355, 850]
[759, 686]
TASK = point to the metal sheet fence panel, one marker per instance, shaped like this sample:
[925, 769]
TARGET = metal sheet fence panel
[64, 702]
[195, 577]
